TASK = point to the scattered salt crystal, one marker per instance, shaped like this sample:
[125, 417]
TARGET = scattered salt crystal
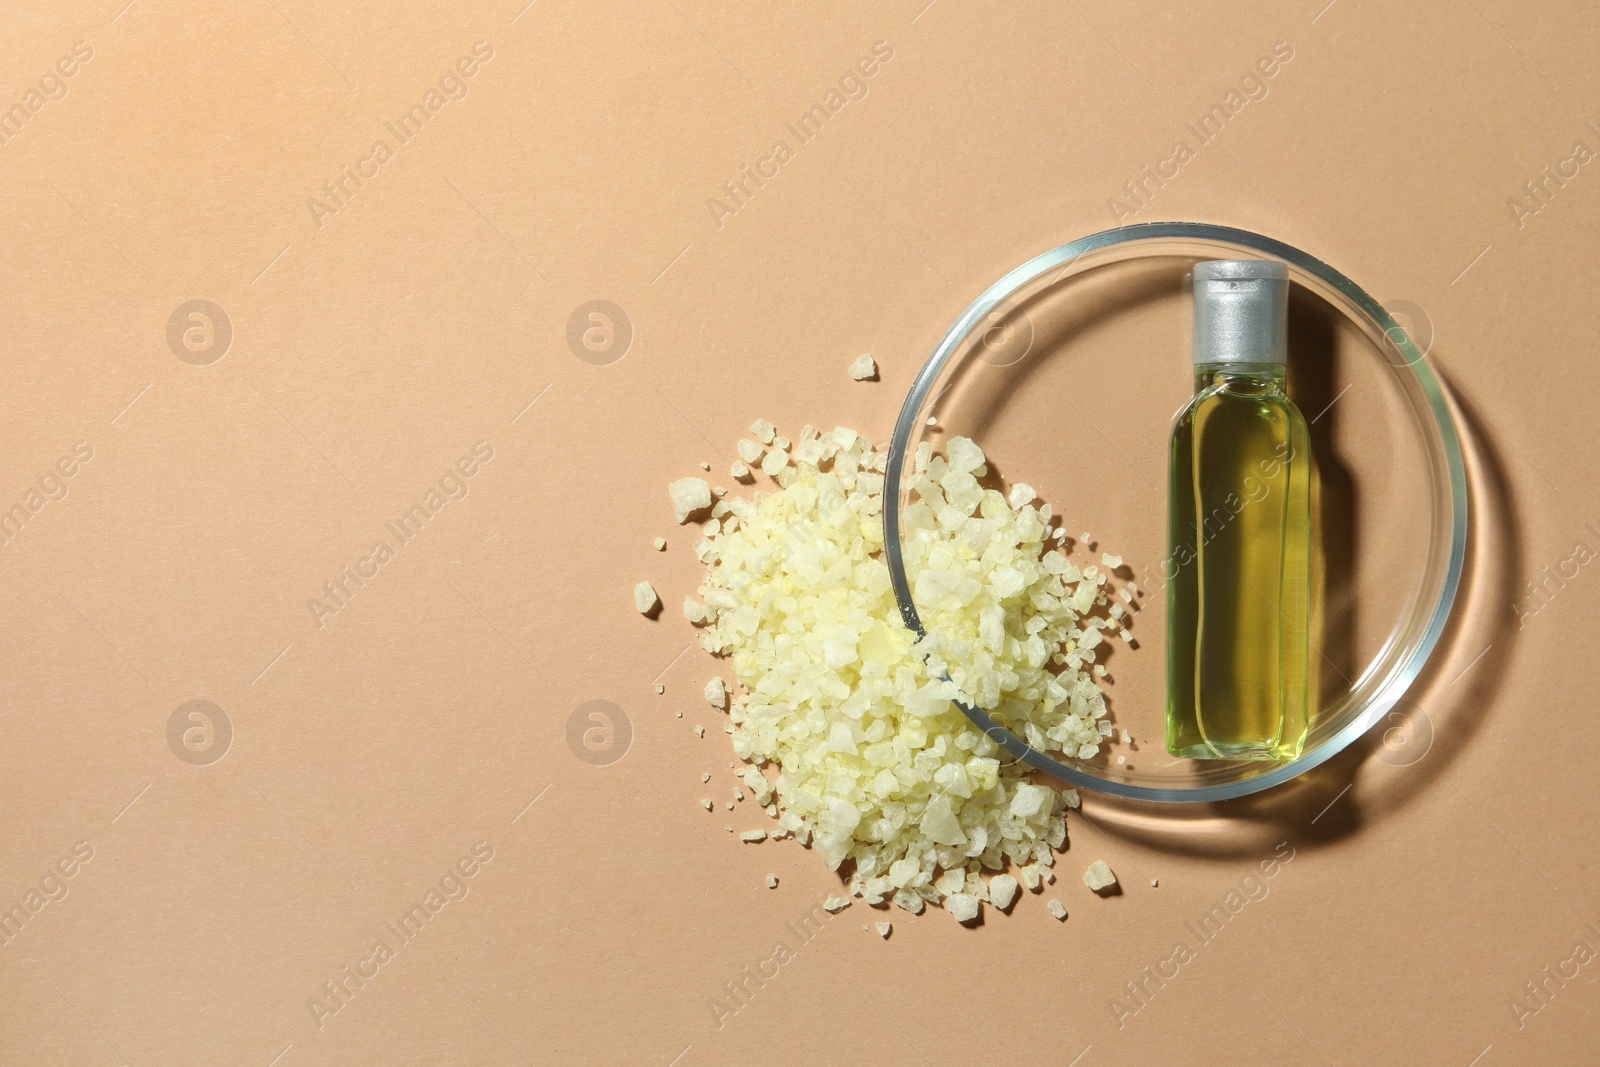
[644, 598]
[752, 836]
[1099, 876]
[835, 904]
[661, 544]
[700, 731]
[660, 688]
[772, 881]
[863, 368]
[704, 465]
[1111, 562]
[963, 907]
[763, 430]
[689, 495]
[706, 803]
[739, 471]
[1002, 891]
[906, 900]
[884, 928]
[706, 777]
[717, 693]
[1058, 909]
[1022, 494]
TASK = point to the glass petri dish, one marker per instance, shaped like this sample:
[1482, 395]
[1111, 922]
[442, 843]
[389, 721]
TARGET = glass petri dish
[1068, 371]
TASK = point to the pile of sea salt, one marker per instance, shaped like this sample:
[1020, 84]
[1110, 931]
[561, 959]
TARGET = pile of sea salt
[868, 759]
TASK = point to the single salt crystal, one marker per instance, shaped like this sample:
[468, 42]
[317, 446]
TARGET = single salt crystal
[739, 471]
[906, 900]
[835, 904]
[963, 907]
[660, 688]
[661, 544]
[1002, 891]
[699, 731]
[1030, 876]
[644, 598]
[706, 803]
[1023, 494]
[717, 693]
[772, 881]
[689, 495]
[964, 454]
[1058, 909]
[775, 461]
[1099, 876]
[749, 450]
[1028, 800]
[763, 430]
[753, 836]
[884, 928]
[1111, 562]
[810, 452]
[706, 777]
[704, 465]
[863, 368]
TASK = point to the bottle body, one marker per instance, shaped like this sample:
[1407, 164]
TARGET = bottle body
[1238, 597]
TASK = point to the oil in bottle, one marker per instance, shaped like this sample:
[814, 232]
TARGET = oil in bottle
[1239, 526]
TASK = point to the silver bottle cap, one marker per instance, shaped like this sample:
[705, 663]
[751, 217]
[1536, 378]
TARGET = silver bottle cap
[1241, 311]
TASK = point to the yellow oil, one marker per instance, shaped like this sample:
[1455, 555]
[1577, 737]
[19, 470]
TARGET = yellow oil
[1238, 594]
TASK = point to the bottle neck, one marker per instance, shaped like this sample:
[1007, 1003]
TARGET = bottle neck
[1239, 375]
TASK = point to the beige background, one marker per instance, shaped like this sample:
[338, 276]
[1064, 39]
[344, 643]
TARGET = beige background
[369, 354]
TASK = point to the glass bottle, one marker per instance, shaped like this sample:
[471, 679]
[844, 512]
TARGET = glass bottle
[1239, 525]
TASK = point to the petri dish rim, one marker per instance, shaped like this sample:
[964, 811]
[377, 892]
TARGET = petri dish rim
[1402, 659]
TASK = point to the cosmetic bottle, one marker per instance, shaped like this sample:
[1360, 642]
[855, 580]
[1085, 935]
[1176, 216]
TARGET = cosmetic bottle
[1239, 525]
